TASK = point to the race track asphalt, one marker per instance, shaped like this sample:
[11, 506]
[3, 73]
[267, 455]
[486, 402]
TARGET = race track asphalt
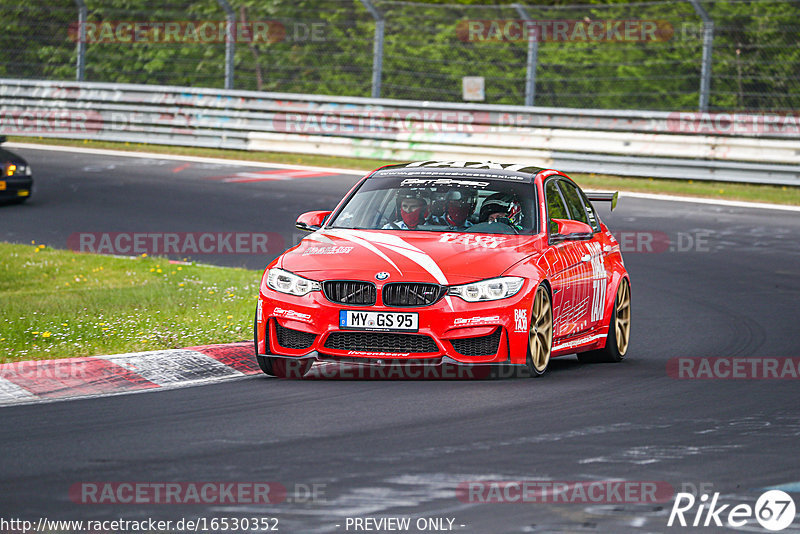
[727, 285]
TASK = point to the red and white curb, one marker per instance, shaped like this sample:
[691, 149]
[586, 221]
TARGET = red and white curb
[70, 378]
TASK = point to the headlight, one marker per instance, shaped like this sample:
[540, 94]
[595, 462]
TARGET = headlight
[13, 169]
[492, 289]
[286, 282]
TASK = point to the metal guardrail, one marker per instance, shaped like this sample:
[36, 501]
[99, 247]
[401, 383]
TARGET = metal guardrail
[629, 143]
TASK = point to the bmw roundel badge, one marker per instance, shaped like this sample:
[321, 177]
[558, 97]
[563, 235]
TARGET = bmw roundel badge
[383, 275]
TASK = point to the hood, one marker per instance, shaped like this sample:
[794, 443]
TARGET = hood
[440, 257]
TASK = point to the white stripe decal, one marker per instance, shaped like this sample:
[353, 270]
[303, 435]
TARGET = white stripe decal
[576, 342]
[350, 234]
[400, 246]
[405, 249]
[319, 237]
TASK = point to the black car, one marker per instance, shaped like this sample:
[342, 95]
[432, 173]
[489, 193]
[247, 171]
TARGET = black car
[16, 181]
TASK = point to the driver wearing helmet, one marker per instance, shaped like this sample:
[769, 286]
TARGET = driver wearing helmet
[458, 206]
[502, 207]
[413, 210]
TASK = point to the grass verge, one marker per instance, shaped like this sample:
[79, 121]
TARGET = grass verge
[719, 190]
[61, 304]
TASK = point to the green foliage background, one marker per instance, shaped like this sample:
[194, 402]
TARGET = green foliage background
[756, 55]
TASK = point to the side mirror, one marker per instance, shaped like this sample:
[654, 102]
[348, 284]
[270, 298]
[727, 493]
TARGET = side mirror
[571, 230]
[3, 139]
[312, 221]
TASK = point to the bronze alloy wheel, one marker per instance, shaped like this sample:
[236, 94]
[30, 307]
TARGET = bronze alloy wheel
[622, 325]
[540, 335]
[619, 330]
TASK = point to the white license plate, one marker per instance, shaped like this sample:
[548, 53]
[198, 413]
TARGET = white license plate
[371, 320]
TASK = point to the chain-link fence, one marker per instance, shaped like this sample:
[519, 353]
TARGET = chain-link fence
[737, 55]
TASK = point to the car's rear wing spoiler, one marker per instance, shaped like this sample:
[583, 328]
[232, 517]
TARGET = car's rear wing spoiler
[604, 196]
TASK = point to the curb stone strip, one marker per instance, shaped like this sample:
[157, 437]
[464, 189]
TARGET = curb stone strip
[70, 378]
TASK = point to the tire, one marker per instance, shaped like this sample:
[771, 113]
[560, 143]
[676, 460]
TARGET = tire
[13, 201]
[540, 333]
[290, 368]
[619, 330]
[280, 367]
[264, 362]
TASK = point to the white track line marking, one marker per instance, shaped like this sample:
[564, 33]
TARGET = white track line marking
[715, 202]
[356, 172]
[175, 157]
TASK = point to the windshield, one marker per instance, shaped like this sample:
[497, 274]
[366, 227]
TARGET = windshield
[440, 204]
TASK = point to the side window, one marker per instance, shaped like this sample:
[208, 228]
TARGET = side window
[571, 195]
[594, 219]
[555, 205]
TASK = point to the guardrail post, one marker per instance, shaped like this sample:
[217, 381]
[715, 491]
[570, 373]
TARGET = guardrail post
[377, 50]
[533, 55]
[80, 66]
[230, 22]
[708, 42]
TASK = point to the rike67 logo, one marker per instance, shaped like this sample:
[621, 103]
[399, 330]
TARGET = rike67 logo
[774, 510]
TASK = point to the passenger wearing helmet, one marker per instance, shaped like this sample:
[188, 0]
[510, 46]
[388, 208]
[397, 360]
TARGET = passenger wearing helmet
[502, 207]
[458, 206]
[413, 211]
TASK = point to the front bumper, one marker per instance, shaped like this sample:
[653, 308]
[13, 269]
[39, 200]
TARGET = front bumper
[450, 331]
[12, 187]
